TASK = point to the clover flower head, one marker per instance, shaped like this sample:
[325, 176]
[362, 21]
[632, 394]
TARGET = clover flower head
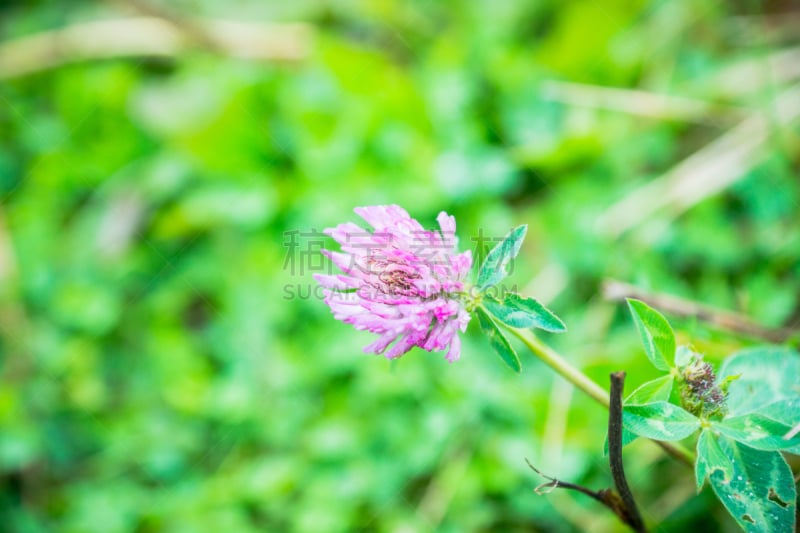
[399, 281]
[701, 394]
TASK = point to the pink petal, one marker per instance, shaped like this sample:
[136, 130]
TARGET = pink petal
[454, 353]
[380, 345]
[346, 233]
[382, 216]
[404, 278]
[447, 223]
[336, 282]
[345, 262]
[403, 345]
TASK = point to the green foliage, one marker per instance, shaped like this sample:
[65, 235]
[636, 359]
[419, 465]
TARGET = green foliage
[498, 261]
[764, 399]
[498, 341]
[660, 421]
[519, 312]
[656, 390]
[656, 334]
[710, 458]
[757, 431]
[683, 356]
[755, 486]
[514, 310]
[738, 449]
[165, 365]
[765, 376]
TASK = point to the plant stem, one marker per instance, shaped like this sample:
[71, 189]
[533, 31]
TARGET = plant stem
[631, 510]
[557, 362]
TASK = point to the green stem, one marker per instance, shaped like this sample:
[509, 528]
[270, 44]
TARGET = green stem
[557, 362]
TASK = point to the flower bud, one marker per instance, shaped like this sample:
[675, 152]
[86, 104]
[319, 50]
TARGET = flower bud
[700, 393]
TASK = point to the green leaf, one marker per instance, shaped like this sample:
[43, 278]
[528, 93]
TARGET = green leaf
[519, 312]
[710, 458]
[656, 390]
[766, 375]
[656, 333]
[757, 431]
[659, 421]
[786, 411]
[498, 341]
[768, 386]
[756, 487]
[683, 356]
[496, 265]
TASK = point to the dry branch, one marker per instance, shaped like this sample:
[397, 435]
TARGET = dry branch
[725, 320]
[706, 172]
[761, 72]
[621, 502]
[150, 37]
[639, 103]
[763, 28]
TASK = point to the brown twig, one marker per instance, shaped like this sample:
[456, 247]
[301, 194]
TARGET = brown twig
[618, 291]
[615, 453]
[607, 497]
[621, 502]
[553, 483]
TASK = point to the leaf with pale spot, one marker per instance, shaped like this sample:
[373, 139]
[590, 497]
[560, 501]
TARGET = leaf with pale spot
[519, 312]
[765, 375]
[656, 390]
[659, 421]
[757, 431]
[755, 486]
[767, 385]
[710, 458]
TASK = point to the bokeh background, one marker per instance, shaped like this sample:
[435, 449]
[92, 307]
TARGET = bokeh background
[165, 170]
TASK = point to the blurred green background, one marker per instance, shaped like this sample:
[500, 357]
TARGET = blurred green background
[163, 365]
